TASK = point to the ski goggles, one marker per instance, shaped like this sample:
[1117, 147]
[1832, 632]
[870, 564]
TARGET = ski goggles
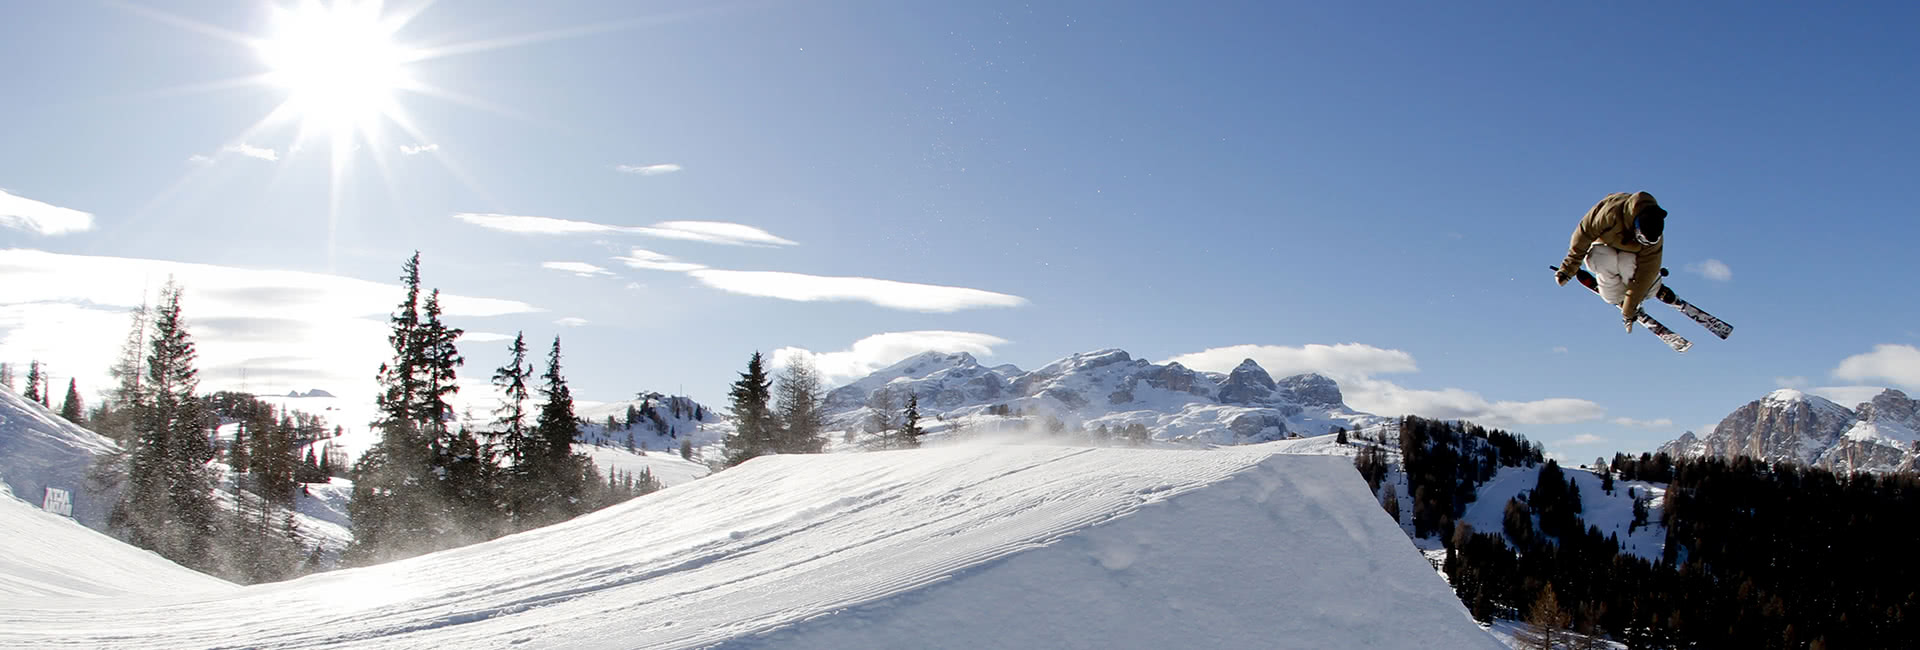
[1642, 237]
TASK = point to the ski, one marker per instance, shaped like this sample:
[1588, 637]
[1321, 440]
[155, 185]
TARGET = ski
[1668, 336]
[1718, 327]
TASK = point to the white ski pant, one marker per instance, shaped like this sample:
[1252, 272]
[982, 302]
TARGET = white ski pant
[1613, 268]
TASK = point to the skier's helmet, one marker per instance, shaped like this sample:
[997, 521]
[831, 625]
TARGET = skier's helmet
[1649, 220]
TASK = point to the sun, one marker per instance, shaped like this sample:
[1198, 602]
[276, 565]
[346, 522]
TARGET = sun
[339, 65]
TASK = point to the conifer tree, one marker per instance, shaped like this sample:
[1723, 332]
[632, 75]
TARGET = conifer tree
[561, 477]
[6, 375]
[755, 427]
[798, 405]
[34, 381]
[168, 505]
[71, 408]
[518, 447]
[910, 430]
[396, 508]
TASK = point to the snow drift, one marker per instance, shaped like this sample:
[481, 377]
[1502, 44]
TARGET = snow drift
[1015, 547]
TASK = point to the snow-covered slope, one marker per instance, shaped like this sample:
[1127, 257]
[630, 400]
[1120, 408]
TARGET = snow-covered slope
[961, 547]
[39, 449]
[44, 556]
[1611, 513]
[1109, 388]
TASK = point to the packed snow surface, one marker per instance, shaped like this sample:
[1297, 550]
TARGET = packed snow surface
[44, 556]
[960, 547]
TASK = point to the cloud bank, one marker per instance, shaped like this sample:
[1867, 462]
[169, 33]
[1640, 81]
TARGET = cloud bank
[1354, 365]
[881, 350]
[22, 213]
[261, 330]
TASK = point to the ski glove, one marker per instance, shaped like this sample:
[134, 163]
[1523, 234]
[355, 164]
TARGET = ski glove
[1629, 319]
[1562, 276]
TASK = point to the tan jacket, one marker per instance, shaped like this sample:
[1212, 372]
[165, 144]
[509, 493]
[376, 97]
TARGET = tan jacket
[1610, 222]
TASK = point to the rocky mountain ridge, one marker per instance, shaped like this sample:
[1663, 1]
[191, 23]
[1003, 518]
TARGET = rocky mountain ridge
[1880, 435]
[1107, 388]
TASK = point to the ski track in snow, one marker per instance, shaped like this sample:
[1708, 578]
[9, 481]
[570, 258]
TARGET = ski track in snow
[965, 546]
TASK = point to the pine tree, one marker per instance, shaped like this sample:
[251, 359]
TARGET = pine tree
[395, 508]
[34, 381]
[910, 430]
[755, 427]
[558, 479]
[797, 404]
[71, 408]
[6, 375]
[167, 505]
[518, 447]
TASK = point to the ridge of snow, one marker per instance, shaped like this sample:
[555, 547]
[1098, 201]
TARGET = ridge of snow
[955, 547]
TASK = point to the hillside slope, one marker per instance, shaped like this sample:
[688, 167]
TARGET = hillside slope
[1021, 546]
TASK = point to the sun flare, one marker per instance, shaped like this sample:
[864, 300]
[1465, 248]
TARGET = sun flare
[339, 65]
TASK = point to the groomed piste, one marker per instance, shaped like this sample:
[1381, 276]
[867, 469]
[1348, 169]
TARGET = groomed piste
[955, 547]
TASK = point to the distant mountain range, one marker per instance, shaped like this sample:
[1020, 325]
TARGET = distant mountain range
[1108, 388]
[1881, 435]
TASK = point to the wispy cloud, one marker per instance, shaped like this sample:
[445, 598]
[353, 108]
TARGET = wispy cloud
[714, 232]
[641, 258]
[1715, 270]
[22, 213]
[533, 225]
[882, 350]
[649, 170]
[417, 149]
[263, 330]
[1584, 439]
[1354, 365]
[1790, 382]
[581, 269]
[1342, 361]
[200, 159]
[571, 321]
[1899, 364]
[1660, 423]
[1559, 349]
[251, 151]
[483, 337]
[885, 293]
[711, 232]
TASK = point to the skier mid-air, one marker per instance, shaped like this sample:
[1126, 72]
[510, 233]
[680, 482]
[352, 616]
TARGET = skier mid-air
[1620, 240]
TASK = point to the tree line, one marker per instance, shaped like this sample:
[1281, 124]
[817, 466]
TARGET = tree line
[1756, 555]
[428, 485]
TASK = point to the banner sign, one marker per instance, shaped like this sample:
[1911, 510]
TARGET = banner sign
[58, 502]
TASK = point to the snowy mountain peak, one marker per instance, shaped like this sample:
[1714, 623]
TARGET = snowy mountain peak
[1792, 426]
[1110, 388]
[925, 363]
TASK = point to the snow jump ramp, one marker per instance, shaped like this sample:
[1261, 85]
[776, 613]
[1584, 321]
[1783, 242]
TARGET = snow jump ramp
[957, 547]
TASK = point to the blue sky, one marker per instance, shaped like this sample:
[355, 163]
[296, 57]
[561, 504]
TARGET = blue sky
[1373, 191]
